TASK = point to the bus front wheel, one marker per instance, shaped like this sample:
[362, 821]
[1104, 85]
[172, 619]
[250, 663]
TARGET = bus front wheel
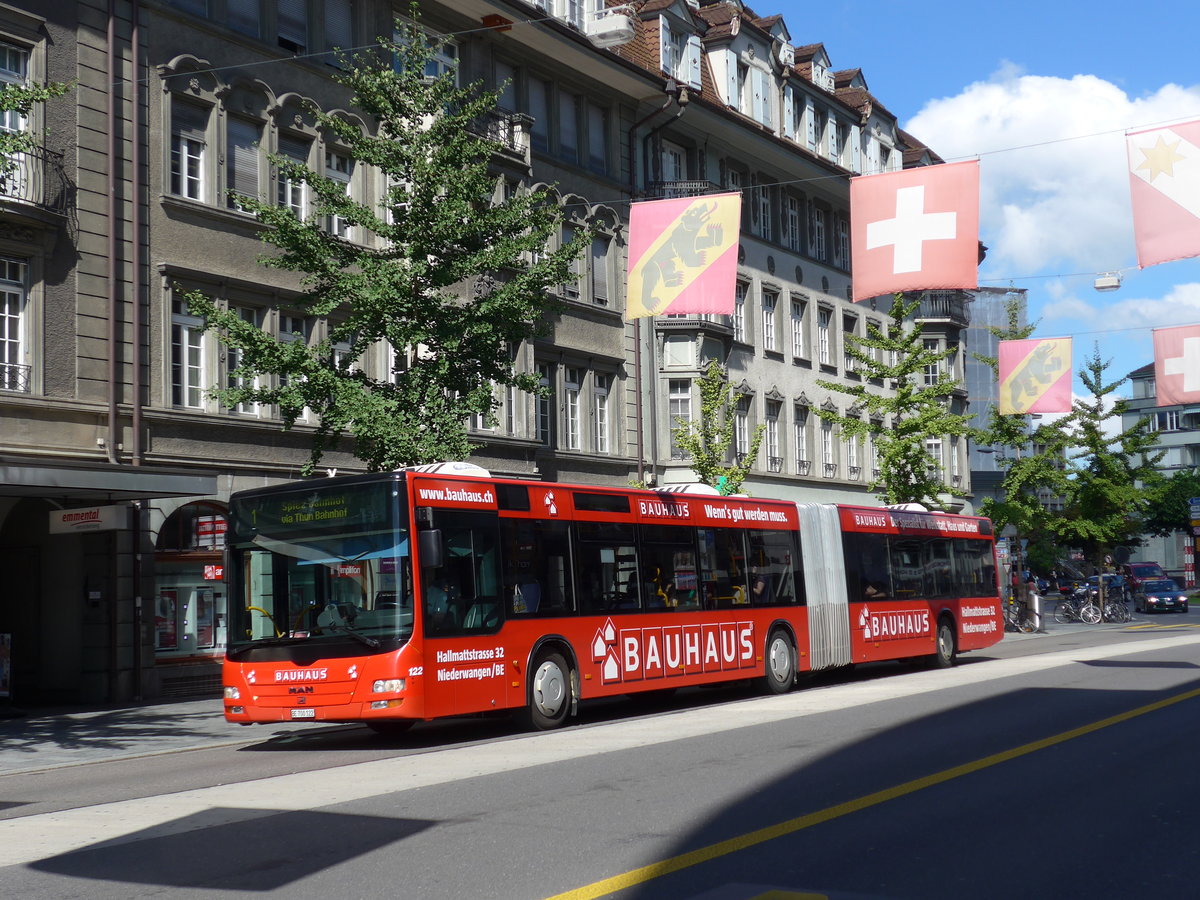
[780, 667]
[945, 652]
[550, 692]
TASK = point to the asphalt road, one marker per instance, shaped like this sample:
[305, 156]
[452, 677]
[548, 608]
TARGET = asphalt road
[883, 782]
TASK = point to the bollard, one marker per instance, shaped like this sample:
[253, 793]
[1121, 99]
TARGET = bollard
[1035, 607]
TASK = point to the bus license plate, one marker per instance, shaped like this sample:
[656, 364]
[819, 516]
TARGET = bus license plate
[304, 713]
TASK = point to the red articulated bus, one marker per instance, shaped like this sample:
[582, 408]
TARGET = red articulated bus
[442, 591]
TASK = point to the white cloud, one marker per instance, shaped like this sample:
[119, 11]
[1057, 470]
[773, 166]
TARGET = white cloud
[1179, 306]
[1054, 190]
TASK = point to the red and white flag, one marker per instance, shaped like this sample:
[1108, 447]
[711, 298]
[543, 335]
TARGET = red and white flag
[914, 230]
[1164, 188]
[1177, 365]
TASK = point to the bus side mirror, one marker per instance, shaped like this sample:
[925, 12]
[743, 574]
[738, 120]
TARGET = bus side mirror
[429, 545]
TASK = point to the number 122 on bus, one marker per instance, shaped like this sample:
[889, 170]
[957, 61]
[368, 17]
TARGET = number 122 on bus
[440, 590]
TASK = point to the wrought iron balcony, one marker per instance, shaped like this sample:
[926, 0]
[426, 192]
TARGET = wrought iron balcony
[14, 377]
[831, 470]
[670, 190]
[775, 463]
[35, 177]
[855, 472]
[508, 129]
[945, 306]
[803, 466]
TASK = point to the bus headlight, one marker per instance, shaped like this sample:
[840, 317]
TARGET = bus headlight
[387, 686]
[232, 693]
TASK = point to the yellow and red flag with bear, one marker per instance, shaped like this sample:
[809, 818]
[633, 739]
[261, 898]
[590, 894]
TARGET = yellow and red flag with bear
[683, 255]
[1035, 376]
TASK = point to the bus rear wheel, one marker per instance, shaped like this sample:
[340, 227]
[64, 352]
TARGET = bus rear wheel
[550, 692]
[780, 666]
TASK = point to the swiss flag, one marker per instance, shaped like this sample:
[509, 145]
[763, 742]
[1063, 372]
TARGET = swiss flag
[1177, 365]
[915, 230]
[1164, 187]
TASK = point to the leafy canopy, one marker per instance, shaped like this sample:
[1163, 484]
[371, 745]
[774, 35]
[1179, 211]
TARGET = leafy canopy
[449, 271]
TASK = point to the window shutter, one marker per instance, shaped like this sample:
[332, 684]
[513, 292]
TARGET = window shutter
[810, 123]
[294, 148]
[758, 100]
[293, 23]
[600, 247]
[664, 45]
[731, 90]
[693, 61]
[789, 117]
[190, 121]
[856, 150]
[339, 29]
[767, 89]
[244, 17]
[242, 159]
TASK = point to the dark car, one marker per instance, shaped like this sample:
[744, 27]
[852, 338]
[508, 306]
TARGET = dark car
[1160, 594]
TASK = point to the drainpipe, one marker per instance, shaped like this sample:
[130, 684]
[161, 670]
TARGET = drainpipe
[672, 90]
[110, 112]
[139, 175]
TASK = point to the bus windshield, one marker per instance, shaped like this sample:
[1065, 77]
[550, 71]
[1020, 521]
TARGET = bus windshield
[320, 566]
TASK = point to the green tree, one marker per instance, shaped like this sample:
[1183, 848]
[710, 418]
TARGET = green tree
[708, 441]
[445, 271]
[901, 420]
[1111, 473]
[1167, 509]
[22, 98]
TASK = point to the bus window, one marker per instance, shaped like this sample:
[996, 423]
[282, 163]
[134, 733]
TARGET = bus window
[867, 576]
[462, 595]
[606, 568]
[723, 569]
[907, 569]
[939, 573]
[669, 567]
[773, 579]
[537, 573]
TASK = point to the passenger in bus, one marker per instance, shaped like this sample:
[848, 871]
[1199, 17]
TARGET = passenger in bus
[760, 586]
[441, 604]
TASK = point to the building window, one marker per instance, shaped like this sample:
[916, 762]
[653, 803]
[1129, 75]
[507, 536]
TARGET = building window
[233, 360]
[1165, 420]
[760, 207]
[187, 356]
[789, 224]
[739, 312]
[852, 464]
[679, 405]
[15, 346]
[673, 162]
[243, 17]
[771, 437]
[545, 405]
[241, 160]
[292, 193]
[539, 110]
[292, 16]
[820, 228]
[799, 339]
[843, 243]
[679, 54]
[572, 385]
[800, 438]
[823, 337]
[14, 69]
[597, 136]
[339, 27]
[570, 287]
[600, 277]
[849, 328]
[741, 428]
[189, 128]
[828, 453]
[339, 167]
[933, 369]
[568, 127]
[933, 448]
[770, 299]
[600, 391]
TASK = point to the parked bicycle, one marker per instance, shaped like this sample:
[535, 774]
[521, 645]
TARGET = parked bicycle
[1018, 617]
[1077, 608]
[1117, 611]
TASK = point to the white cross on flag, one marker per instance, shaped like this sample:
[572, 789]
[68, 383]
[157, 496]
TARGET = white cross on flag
[915, 230]
[1177, 365]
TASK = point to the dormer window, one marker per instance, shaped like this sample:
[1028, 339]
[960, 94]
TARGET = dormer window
[679, 52]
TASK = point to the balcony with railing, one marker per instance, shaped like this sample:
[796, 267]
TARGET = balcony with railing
[943, 306]
[831, 470]
[673, 190]
[803, 466]
[775, 463]
[510, 130]
[36, 178]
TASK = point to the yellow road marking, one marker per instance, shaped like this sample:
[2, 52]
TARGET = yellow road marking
[641, 875]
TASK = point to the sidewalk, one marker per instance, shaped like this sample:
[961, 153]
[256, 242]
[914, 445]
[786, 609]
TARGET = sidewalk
[45, 739]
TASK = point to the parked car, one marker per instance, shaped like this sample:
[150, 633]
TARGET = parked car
[1115, 586]
[1160, 594]
[1137, 572]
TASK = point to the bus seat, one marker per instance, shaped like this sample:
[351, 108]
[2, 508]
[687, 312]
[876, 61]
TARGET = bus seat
[531, 593]
[480, 615]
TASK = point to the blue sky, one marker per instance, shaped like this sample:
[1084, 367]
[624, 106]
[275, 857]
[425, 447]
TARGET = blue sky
[1042, 94]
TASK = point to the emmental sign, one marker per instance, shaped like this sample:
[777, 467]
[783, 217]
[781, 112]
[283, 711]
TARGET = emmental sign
[90, 518]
